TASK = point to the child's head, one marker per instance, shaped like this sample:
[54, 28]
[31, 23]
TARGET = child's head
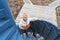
[25, 17]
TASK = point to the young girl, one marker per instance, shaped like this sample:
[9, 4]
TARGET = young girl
[24, 24]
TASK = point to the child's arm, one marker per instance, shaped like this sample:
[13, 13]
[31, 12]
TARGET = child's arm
[26, 27]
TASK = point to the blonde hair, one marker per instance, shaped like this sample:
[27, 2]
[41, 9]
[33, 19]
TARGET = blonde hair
[24, 14]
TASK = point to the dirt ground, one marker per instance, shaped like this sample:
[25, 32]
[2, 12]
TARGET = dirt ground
[16, 6]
